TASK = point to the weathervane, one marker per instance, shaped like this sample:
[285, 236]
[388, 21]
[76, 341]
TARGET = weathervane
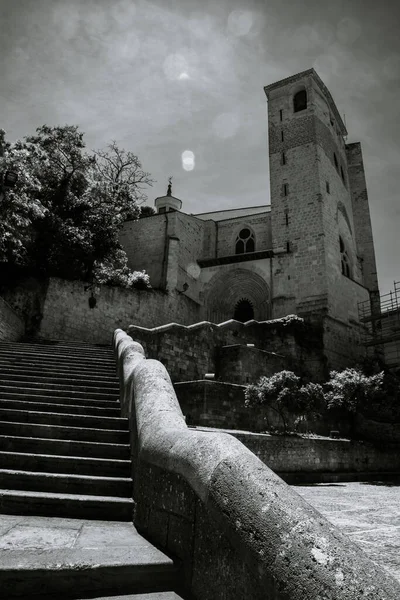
[169, 191]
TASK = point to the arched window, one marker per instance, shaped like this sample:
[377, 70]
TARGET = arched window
[245, 241]
[300, 101]
[344, 259]
[243, 311]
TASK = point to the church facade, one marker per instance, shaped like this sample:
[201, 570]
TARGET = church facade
[309, 253]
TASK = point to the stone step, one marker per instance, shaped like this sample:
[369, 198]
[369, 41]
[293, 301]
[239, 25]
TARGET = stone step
[65, 483]
[23, 502]
[139, 569]
[149, 596]
[51, 348]
[50, 368]
[60, 432]
[60, 387]
[59, 400]
[18, 377]
[58, 393]
[76, 409]
[63, 419]
[56, 358]
[77, 465]
[33, 445]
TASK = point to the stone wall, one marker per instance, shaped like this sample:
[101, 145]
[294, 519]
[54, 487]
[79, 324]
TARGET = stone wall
[144, 242]
[12, 327]
[315, 459]
[59, 309]
[228, 230]
[190, 352]
[361, 212]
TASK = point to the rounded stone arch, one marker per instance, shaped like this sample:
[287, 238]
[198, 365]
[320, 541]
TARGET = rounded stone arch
[237, 290]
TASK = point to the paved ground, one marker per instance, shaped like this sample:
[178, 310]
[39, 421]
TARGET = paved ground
[49, 533]
[369, 513]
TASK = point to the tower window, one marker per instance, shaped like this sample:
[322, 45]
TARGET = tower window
[344, 259]
[342, 174]
[283, 158]
[282, 136]
[281, 115]
[285, 189]
[300, 101]
[245, 241]
[335, 160]
[328, 187]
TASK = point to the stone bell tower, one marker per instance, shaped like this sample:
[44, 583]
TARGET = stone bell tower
[317, 265]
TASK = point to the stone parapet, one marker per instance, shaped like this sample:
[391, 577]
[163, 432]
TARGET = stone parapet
[238, 530]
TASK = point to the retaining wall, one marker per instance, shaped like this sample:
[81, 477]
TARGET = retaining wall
[12, 327]
[308, 459]
[59, 309]
[237, 528]
[190, 352]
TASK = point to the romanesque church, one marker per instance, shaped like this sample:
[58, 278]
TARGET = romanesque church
[309, 253]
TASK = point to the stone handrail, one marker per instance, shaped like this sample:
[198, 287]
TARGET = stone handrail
[237, 529]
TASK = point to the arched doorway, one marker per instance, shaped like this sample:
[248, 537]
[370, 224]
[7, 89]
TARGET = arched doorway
[226, 291]
[243, 311]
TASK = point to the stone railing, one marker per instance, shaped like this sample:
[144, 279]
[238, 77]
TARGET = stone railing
[234, 527]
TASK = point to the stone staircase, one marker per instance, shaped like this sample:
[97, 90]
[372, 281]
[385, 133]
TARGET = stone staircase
[64, 449]
[64, 453]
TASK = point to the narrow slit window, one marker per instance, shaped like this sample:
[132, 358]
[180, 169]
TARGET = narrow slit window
[281, 115]
[282, 137]
[342, 174]
[328, 187]
[335, 160]
[283, 158]
[285, 189]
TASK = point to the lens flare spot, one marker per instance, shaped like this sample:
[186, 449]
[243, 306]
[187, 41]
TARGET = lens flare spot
[174, 66]
[188, 160]
[193, 270]
[226, 125]
[240, 22]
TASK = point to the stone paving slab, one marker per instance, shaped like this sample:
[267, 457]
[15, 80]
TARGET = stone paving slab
[369, 513]
[46, 557]
[49, 533]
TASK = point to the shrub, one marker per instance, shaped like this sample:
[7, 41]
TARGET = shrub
[283, 394]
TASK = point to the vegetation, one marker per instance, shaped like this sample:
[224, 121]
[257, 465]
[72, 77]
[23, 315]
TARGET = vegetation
[64, 214]
[284, 394]
[347, 392]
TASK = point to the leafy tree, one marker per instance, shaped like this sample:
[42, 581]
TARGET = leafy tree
[284, 394]
[76, 203]
[351, 390]
[146, 211]
[19, 206]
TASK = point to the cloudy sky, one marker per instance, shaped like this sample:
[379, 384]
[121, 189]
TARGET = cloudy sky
[180, 83]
